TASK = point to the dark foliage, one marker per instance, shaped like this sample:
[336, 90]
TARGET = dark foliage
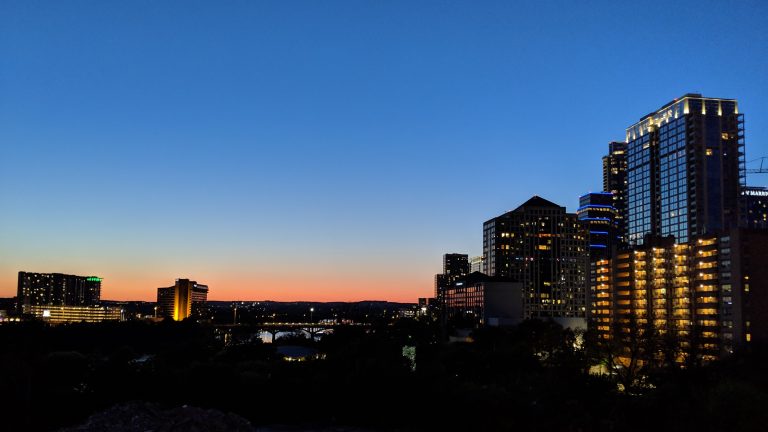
[534, 377]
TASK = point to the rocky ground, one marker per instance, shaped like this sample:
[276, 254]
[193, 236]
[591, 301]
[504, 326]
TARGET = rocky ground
[146, 417]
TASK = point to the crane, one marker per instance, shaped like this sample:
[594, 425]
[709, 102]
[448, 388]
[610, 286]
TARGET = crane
[760, 170]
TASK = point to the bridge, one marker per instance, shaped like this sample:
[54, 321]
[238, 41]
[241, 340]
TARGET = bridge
[273, 328]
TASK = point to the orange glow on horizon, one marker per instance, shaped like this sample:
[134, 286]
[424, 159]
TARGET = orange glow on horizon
[231, 287]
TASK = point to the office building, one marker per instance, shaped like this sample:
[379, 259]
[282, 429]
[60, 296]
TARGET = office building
[455, 265]
[185, 299]
[615, 182]
[480, 300]
[756, 207]
[597, 213]
[44, 289]
[685, 169]
[544, 248]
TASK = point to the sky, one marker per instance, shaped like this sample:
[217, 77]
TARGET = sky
[327, 150]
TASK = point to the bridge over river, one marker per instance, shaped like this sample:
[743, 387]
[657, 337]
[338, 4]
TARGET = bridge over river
[273, 328]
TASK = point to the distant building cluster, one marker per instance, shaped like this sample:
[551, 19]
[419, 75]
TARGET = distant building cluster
[676, 243]
[60, 298]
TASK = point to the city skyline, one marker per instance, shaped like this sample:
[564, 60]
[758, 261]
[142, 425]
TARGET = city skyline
[258, 172]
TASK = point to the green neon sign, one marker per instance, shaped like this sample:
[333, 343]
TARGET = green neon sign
[93, 279]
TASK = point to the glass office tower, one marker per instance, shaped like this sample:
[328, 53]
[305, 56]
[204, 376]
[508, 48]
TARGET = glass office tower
[685, 169]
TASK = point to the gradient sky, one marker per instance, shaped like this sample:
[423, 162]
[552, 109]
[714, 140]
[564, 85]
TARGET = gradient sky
[327, 150]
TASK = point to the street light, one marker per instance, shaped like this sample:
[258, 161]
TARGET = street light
[311, 312]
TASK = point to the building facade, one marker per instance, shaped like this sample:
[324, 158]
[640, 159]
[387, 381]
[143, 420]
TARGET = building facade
[57, 314]
[615, 182]
[480, 300]
[185, 299]
[685, 169]
[756, 207]
[685, 283]
[597, 213]
[44, 289]
[703, 298]
[476, 264]
[545, 249]
[455, 265]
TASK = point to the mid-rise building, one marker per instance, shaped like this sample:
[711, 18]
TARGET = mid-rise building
[455, 265]
[615, 182]
[544, 248]
[479, 300]
[57, 314]
[685, 169]
[703, 298]
[185, 299]
[57, 289]
[755, 206]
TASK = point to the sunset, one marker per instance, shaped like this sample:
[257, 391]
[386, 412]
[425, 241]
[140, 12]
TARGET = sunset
[383, 216]
[292, 160]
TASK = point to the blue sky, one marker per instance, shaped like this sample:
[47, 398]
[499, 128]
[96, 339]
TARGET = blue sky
[327, 150]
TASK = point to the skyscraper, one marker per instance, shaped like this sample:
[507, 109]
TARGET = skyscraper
[615, 182]
[544, 248]
[182, 300]
[685, 169]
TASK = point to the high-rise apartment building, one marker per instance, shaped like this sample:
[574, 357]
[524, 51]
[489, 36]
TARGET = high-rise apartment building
[186, 298]
[615, 182]
[43, 289]
[541, 246]
[685, 169]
